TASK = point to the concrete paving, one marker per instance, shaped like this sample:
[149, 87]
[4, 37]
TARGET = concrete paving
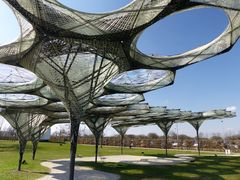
[140, 160]
[60, 171]
[59, 168]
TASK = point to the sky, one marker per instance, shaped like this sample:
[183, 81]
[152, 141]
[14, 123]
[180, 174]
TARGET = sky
[207, 85]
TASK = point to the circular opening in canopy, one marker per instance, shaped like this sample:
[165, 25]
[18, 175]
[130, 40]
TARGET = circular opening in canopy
[95, 6]
[9, 30]
[183, 31]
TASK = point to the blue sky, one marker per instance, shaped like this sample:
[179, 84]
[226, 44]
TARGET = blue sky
[203, 86]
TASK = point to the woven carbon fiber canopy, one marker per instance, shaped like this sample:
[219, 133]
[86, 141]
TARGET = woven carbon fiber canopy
[21, 100]
[141, 80]
[15, 79]
[76, 54]
[119, 99]
[170, 115]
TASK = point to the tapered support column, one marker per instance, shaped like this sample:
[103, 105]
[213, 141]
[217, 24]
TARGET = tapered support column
[198, 141]
[97, 125]
[165, 126]
[74, 138]
[197, 124]
[22, 146]
[122, 143]
[96, 146]
[35, 138]
[102, 141]
[34, 149]
[122, 131]
[166, 144]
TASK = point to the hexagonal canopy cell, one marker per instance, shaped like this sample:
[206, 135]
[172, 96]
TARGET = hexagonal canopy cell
[105, 110]
[75, 78]
[15, 79]
[55, 106]
[21, 101]
[119, 99]
[102, 6]
[48, 93]
[134, 109]
[58, 17]
[141, 80]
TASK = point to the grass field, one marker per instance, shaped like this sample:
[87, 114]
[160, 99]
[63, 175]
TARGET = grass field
[205, 167]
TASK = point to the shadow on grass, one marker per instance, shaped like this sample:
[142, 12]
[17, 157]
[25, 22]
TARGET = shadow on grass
[207, 167]
[160, 155]
[35, 172]
[13, 147]
[8, 147]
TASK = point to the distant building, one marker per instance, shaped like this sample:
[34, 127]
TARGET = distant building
[174, 144]
[46, 136]
[195, 145]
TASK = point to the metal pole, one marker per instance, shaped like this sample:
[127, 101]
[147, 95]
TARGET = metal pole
[122, 137]
[198, 141]
[22, 146]
[101, 141]
[177, 136]
[96, 147]
[166, 144]
[35, 144]
[74, 137]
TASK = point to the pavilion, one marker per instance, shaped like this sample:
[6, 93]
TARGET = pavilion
[88, 69]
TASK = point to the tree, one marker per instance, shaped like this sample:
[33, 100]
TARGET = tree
[153, 136]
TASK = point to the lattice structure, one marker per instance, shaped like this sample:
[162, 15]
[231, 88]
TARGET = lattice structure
[29, 119]
[97, 124]
[163, 114]
[141, 80]
[27, 126]
[119, 99]
[23, 111]
[15, 79]
[78, 53]
[165, 126]
[165, 118]
[36, 135]
[121, 131]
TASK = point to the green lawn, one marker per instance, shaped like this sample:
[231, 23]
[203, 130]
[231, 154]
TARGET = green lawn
[205, 167]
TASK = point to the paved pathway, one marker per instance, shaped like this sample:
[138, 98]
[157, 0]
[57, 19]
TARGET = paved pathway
[59, 168]
[140, 160]
[60, 171]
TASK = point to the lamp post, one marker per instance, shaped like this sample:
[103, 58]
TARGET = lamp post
[177, 135]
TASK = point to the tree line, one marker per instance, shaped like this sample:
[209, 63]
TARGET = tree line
[214, 143]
